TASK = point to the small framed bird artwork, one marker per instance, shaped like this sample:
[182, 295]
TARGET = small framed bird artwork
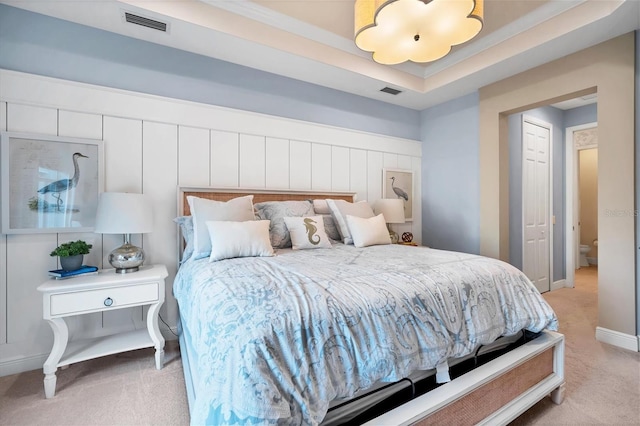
[48, 183]
[398, 183]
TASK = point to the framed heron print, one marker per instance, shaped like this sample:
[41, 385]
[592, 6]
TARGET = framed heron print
[398, 183]
[49, 184]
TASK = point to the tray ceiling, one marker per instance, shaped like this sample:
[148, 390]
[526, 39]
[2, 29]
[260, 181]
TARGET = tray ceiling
[312, 40]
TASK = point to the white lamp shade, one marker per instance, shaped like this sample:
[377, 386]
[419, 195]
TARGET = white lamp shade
[123, 213]
[391, 208]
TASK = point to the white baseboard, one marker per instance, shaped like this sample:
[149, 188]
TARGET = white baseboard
[20, 365]
[592, 260]
[615, 338]
[558, 284]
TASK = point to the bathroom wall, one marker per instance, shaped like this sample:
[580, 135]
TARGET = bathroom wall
[588, 182]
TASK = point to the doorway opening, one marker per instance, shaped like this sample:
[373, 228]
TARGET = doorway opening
[581, 198]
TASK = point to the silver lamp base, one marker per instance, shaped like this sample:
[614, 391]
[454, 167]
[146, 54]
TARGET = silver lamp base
[126, 258]
[393, 235]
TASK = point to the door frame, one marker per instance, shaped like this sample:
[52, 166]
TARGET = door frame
[572, 242]
[538, 122]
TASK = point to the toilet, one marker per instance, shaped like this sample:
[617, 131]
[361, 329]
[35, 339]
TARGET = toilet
[584, 249]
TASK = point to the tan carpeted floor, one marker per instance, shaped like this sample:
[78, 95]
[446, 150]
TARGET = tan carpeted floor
[603, 382]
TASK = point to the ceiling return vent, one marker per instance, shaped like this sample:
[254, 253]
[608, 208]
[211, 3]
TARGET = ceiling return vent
[391, 90]
[145, 22]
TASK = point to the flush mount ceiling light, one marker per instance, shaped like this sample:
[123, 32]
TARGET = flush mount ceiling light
[415, 30]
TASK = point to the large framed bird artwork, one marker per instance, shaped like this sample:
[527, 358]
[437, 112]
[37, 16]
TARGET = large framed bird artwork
[398, 183]
[48, 183]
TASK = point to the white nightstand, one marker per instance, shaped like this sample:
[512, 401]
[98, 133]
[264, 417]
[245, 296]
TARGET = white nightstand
[100, 292]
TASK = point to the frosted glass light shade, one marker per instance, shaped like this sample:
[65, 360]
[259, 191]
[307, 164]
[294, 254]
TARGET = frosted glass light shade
[123, 213]
[415, 30]
[391, 208]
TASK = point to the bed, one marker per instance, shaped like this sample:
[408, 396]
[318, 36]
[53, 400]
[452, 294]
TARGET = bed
[284, 338]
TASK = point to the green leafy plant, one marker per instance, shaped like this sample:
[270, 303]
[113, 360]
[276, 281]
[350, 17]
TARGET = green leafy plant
[72, 248]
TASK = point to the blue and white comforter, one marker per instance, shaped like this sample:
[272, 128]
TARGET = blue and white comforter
[276, 339]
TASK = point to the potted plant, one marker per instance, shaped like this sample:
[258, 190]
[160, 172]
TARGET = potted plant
[71, 254]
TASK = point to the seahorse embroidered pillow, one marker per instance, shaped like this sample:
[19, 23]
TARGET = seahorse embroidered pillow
[307, 232]
[276, 211]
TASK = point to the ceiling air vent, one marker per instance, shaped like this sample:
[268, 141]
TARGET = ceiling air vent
[145, 22]
[391, 91]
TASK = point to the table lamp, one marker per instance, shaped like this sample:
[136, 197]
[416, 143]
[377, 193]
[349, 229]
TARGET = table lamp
[393, 211]
[124, 213]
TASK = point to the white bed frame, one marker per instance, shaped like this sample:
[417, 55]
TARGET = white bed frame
[494, 393]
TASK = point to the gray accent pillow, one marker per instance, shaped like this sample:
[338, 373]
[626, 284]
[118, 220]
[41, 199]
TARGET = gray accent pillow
[330, 227]
[276, 211]
[186, 229]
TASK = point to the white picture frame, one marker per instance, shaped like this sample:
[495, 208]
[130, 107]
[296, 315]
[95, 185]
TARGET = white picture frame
[49, 184]
[398, 183]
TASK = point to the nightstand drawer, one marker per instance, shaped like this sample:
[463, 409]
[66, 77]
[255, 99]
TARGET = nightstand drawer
[102, 299]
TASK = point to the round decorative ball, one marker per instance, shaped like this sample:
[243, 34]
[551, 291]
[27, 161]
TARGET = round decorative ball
[407, 237]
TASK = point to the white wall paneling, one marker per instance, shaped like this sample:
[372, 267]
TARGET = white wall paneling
[123, 154]
[26, 331]
[277, 159]
[340, 174]
[358, 173]
[79, 125]
[320, 167]
[375, 164]
[224, 159]
[252, 161]
[32, 119]
[390, 161]
[152, 144]
[300, 165]
[159, 182]
[3, 116]
[193, 164]
[404, 162]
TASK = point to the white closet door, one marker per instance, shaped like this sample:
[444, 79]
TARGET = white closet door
[536, 205]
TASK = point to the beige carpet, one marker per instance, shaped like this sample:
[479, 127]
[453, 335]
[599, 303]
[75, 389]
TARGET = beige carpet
[603, 382]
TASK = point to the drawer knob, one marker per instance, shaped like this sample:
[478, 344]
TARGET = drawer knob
[108, 301]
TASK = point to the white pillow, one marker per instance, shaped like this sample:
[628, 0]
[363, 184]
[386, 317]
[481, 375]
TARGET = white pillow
[307, 232]
[341, 208]
[239, 239]
[238, 210]
[368, 232]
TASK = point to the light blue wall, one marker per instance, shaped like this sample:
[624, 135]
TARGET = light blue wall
[51, 47]
[582, 115]
[450, 175]
[555, 117]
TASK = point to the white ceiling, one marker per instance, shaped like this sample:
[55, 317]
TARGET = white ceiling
[311, 40]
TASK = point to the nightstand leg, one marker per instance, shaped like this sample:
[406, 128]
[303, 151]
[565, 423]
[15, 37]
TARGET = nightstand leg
[154, 332]
[60, 339]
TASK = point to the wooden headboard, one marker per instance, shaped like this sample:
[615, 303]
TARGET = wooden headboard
[259, 195]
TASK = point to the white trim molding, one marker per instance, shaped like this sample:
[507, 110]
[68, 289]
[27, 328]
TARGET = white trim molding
[556, 285]
[615, 338]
